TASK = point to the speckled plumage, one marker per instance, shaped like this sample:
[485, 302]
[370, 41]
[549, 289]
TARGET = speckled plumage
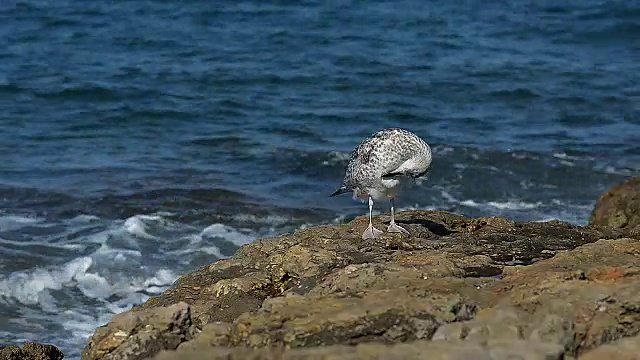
[387, 155]
[379, 164]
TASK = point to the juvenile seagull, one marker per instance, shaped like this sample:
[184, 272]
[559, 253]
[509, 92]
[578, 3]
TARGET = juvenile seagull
[379, 166]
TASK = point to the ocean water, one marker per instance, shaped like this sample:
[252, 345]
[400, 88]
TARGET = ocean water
[140, 140]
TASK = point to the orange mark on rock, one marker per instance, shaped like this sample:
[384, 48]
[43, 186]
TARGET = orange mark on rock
[411, 261]
[608, 274]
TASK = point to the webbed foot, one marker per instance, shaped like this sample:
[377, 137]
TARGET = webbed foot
[393, 227]
[371, 233]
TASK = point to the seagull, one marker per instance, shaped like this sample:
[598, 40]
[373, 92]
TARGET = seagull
[379, 166]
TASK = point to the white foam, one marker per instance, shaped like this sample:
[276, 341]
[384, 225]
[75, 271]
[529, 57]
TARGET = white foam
[83, 218]
[36, 287]
[268, 219]
[209, 250]
[124, 270]
[336, 157]
[524, 156]
[511, 205]
[565, 156]
[162, 278]
[626, 171]
[441, 150]
[470, 203]
[120, 257]
[94, 286]
[14, 222]
[228, 233]
[137, 225]
[514, 205]
[448, 197]
[107, 251]
[29, 287]
[82, 325]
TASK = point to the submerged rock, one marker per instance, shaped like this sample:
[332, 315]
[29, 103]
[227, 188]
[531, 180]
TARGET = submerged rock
[31, 351]
[486, 288]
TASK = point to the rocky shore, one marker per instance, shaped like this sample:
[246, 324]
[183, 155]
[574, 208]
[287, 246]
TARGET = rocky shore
[30, 351]
[458, 288]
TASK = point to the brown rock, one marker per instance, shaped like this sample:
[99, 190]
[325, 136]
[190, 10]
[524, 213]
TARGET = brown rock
[212, 334]
[484, 287]
[31, 351]
[624, 349]
[382, 315]
[619, 207]
[414, 350]
[588, 309]
[141, 334]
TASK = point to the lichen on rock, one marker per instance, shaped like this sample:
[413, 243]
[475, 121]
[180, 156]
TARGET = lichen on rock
[31, 351]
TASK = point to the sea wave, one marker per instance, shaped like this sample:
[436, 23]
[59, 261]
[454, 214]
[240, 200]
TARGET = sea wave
[109, 266]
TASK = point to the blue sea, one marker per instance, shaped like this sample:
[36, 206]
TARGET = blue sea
[140, 140]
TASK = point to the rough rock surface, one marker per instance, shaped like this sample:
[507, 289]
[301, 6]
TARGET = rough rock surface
[619, 207]
[30, 351]
[141, 334]
[458, 288]
[625, 349]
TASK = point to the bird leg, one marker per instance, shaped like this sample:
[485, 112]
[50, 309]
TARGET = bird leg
[371, 233]
[393, 227]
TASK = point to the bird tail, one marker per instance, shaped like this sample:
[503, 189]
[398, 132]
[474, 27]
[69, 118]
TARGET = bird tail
[341, 190]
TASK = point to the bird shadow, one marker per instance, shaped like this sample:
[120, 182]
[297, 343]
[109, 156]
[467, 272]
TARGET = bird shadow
[432, 226]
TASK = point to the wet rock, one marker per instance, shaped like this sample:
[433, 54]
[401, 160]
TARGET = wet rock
[31, 351]
[486, 287]
[619, 207]
[141, 334]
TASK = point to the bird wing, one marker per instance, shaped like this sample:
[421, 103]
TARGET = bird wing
[399, 166]
[397, 173]
[406, 168]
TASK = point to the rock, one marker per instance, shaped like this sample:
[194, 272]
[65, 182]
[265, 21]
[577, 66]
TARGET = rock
[619, 207]
[624, 349]
[31, 351]
[415, 350]
[377, 315]
[141, 334]
[458, 287]
[212, 334]
[581, 298]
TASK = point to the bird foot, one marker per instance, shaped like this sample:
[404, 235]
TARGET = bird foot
[393, 227]
[371, 233]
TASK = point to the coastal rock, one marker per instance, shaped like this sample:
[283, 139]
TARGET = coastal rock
[490, 287]
[619, 207]
[624, 349]
[414, 350]
[141, 334]
[31, 351]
